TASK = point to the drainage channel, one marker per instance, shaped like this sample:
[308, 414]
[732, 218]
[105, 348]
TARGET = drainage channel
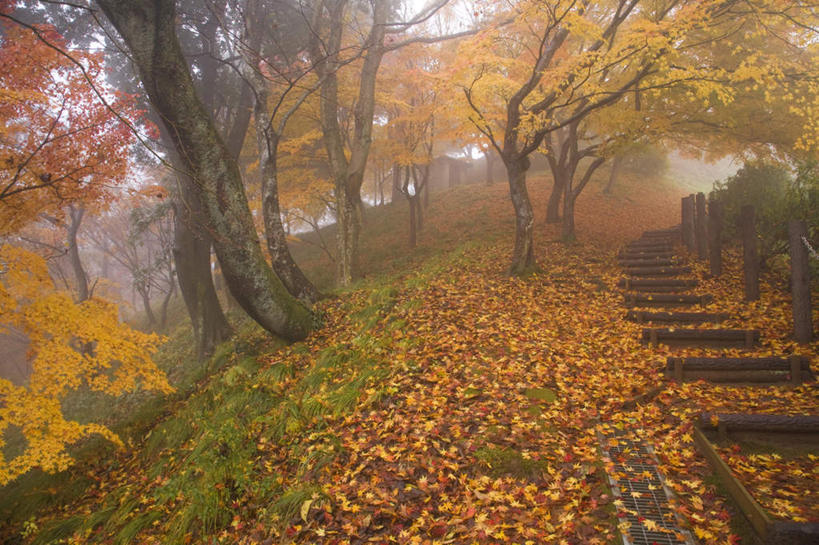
[641, 494]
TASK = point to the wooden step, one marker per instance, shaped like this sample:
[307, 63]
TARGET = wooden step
[659, 289]
[670, 232]
[665, 300]
[650, 247]
[745, 338]
[635, 254]
[641, 316]
[776, 423]
[665, 282]
[656, 262]
[795, 369]
[657, 271]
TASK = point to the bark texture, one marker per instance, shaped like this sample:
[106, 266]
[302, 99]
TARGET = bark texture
[147, 28]
[267, 143]
[523, 254]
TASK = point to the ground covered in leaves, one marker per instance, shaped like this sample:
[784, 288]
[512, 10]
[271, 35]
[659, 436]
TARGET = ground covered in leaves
[452, 404]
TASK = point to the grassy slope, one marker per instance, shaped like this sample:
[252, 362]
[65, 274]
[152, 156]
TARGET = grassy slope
[441, 401]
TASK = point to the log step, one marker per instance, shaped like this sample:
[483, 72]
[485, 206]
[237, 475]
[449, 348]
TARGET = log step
[781, 423]
[665, 299]
[675, 317]
[795, 369]
[657, 271]
[648, 247]
[656, 262]
[633, 254]
[671, 232]
[746, 338]
[665, 282]
[659, 289]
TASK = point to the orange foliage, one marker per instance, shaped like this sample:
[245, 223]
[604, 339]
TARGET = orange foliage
[58, 142]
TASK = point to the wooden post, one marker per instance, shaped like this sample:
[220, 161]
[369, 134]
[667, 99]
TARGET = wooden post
[678, 369]
[700, 226]
[715, 237]
[750, 253]
[796, 370]
[800, 283]
[688, 221]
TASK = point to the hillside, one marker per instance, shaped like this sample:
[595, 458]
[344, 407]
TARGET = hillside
[442, 401]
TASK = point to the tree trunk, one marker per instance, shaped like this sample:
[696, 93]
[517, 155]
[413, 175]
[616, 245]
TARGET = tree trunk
[572, 193]
[567, 224]
[163, 316]
[523, 255]
[490, 164]
[555, 197]
[147, 27]
[348, 174]
[192, 257]
[146, 303]
[413, 230]
[616, 163]
[76, 215]
[396, 183]
[282, 261]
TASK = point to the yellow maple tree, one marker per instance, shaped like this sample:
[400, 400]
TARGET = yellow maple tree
[72, 345]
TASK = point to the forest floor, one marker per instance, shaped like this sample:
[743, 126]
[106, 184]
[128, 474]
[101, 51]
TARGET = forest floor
[443, 402]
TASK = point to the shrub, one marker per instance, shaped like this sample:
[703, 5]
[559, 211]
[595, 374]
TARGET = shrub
[777, 197]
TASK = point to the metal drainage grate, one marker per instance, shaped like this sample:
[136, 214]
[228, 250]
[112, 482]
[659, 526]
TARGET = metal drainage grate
[637, 483]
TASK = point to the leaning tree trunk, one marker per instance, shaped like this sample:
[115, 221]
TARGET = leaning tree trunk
[147, 28]
[523, 255]
[191, 254]
[267, 143]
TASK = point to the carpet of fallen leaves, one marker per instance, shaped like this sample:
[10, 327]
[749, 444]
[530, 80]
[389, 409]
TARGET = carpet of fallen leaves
[410, 471]
[784, 486]
[484, 429]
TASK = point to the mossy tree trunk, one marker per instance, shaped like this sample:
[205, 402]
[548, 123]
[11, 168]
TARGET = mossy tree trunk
[147, 28]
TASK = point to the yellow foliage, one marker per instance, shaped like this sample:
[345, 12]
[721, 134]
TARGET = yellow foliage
[71, 345]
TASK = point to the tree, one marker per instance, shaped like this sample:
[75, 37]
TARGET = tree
[557, 63]
[412, 108]
[137, 233]
[60, 334]
[148, 30]
[275, 74]
[62, 151]
[348, 153]
[58, 144]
